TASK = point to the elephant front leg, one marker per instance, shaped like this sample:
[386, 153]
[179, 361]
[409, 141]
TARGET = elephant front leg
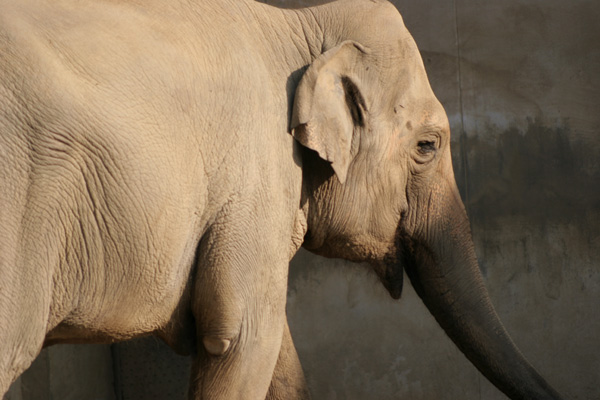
[239, 306]
[288, 382]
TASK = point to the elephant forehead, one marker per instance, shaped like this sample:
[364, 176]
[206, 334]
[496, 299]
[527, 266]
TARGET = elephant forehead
[431, 115]
[420, 113]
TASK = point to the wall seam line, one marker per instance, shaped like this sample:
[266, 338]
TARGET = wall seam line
[461, 106]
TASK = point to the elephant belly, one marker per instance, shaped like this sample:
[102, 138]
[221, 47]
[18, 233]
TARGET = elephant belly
[133, 268]
[122, 222]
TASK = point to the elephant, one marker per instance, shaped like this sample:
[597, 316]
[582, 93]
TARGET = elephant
[162, 161]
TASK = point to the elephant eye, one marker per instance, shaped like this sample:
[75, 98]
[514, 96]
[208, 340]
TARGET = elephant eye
[426, 147]
[426, 150]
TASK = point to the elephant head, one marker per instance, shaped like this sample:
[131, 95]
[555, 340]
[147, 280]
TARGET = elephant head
[384, 191]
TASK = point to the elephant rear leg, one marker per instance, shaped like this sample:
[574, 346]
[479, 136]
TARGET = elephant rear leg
[21, 340]
[24, 308]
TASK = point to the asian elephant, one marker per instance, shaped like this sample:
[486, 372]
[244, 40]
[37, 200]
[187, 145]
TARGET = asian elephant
[161, 162]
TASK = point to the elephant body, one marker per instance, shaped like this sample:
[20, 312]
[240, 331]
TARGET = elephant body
[161, 162]
[123, 146]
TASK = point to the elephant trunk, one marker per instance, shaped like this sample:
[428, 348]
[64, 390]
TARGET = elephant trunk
[439, 258]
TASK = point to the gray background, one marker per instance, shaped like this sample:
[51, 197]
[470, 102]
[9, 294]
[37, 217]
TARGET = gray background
[520, 81]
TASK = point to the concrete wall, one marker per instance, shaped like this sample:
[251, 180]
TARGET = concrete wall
[520, 81]
[68, 372]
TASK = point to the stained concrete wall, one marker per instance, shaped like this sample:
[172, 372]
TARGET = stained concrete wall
[520, 81]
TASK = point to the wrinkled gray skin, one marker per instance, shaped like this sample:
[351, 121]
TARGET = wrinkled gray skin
[161, 161]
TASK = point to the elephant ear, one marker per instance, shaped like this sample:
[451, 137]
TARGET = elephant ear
[329, 104]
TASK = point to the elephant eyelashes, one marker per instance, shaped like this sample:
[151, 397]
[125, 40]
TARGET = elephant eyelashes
[425, 151]
[355, 101]
[426, 147]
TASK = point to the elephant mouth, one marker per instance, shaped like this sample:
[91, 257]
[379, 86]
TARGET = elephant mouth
[391, 274]
[391, 269]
